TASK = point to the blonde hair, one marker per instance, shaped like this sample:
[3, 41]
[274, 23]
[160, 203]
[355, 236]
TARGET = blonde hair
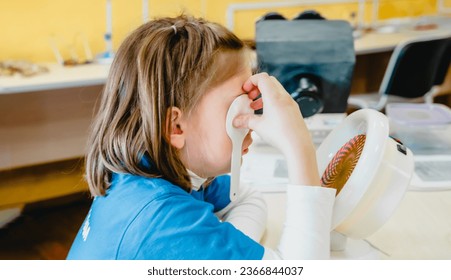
[164, 63]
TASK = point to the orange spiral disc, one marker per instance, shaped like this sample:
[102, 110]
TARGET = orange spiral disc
[343, 163]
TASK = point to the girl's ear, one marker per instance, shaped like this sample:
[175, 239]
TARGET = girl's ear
[175, 128]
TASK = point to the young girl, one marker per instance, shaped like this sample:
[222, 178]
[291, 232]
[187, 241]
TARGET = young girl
[159, 147]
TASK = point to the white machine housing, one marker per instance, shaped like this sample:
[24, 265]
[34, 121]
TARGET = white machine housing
[379, 180]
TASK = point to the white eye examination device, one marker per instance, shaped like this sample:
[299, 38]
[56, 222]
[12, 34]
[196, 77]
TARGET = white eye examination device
[241, 105]
[370, 170]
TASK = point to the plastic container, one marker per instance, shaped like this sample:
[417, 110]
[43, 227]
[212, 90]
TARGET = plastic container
[424, 128]
[411, 114]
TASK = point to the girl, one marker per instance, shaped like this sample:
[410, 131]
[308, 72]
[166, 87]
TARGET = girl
[159, 145]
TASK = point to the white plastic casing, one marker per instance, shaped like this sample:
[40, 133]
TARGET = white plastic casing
[379, 180]
[241, 105]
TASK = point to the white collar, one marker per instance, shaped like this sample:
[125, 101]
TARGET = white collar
[196, 181]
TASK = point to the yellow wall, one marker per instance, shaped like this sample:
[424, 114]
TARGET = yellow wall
[28, 25]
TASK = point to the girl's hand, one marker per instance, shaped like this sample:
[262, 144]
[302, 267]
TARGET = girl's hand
[282, 126]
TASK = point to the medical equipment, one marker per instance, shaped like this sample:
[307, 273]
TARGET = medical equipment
[376, 183]
[241, 105]
[377, 170]
[313, 59]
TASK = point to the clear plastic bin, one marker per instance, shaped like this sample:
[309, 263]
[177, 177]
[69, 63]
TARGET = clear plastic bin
[424, 128]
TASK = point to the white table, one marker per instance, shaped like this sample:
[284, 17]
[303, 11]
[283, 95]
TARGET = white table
[420, 228]
[58, 77]
[45, 118]
[393, 32]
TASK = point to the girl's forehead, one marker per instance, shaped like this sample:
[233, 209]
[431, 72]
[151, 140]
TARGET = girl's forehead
[231, 63]
[224, 76]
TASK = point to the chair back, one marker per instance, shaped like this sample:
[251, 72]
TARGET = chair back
[416, 66]
[444, 65]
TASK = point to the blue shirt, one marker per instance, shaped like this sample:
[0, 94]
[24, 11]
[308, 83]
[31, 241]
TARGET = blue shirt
[150, 218]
